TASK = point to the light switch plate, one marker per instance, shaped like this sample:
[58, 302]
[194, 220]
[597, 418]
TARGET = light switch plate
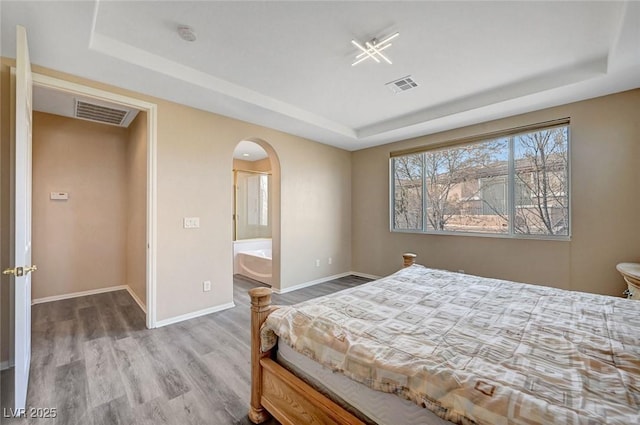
[191, 222]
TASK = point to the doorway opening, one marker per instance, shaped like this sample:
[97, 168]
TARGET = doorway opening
[256, 212]
[136, 224]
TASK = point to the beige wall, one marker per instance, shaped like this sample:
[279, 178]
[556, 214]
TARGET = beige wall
[78, 244]
[195, 151]
[136, 217]
[605, 148]
[194, 159]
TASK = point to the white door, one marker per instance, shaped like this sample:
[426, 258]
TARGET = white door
[22, 247]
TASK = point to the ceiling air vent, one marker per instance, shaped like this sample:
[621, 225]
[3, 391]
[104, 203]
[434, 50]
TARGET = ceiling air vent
[98, 113]
[402, 84]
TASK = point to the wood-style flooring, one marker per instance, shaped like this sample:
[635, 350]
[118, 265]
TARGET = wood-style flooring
[94, 361]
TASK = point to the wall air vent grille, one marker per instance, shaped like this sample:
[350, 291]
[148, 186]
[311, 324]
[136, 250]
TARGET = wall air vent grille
[402, 84]
[98, 113]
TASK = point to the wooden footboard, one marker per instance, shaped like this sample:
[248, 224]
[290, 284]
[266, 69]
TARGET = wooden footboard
[279, 393]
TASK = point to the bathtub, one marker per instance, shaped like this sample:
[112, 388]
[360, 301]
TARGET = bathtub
[256, 265]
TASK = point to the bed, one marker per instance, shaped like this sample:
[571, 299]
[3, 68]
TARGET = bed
[452, 348]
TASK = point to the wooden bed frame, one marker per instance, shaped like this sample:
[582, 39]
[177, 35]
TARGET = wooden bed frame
[277, 392]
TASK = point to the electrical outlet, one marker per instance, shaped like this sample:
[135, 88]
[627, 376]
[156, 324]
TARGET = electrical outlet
[461, 271]
[317, 263]
[330, 260]
[206, 286]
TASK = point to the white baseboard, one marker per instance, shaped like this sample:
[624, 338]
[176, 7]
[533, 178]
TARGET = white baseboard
[78, 294]
[322, 280]
[193, 315]
[310, 283]
[92, 292]
[136, 299]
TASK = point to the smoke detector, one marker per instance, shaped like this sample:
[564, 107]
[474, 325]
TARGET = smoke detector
[187, 33]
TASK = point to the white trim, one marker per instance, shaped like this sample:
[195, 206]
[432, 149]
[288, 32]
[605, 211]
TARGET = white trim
[136, 299]
[310, 283]
[152, 214]
[193, 315]
[78, 294]
[152, 142]
[323, 280]
[367, 276]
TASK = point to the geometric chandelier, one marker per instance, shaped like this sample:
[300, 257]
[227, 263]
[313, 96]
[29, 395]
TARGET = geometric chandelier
[373, 49]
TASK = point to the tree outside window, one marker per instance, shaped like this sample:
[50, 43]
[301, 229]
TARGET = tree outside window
[515, 185]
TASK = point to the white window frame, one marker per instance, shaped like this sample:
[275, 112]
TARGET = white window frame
[511, 204]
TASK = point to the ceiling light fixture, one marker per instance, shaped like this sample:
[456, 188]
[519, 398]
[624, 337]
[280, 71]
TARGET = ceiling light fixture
[187, 33]
[373, 49]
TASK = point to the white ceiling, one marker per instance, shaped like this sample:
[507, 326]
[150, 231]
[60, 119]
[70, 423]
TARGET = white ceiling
[287, 65]
[249, 151]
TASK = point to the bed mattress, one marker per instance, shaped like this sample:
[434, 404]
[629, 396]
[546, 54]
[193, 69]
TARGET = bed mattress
[381, 408]
[476, 350]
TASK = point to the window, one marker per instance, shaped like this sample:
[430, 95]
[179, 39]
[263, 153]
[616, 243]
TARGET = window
[258, 200]
[513, 185]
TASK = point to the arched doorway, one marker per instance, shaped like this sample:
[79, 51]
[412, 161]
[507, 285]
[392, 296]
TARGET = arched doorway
[256, 212]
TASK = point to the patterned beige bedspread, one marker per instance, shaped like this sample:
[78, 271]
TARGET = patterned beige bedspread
[477, 350]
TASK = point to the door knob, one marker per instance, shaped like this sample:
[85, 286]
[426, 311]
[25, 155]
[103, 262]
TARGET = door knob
[20, 271]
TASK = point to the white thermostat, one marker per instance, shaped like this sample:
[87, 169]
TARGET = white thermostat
[59, 196]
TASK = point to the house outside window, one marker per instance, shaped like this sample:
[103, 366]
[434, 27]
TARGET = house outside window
[515, 185]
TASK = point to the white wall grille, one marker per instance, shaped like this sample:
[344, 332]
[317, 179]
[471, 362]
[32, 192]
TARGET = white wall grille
[103, 114]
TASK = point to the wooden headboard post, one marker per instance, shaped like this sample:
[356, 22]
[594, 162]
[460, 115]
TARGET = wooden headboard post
[409, 259]
[260, 309]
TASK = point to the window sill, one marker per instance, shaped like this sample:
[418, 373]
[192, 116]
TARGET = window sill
[486, 235]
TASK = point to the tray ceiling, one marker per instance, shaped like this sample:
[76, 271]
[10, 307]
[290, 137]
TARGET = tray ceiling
[287, 65]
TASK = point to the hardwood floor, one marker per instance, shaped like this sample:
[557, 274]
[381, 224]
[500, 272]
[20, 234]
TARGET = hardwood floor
[95, 362]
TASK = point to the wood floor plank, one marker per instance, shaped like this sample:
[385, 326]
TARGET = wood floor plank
[42, 339]
[90, 322]
[104, 382]
[64, 310]
[111, 319]
[192, 409]
[71, 394]
[67, 342]
[194, 335]
[42, 374]
[155, 412]
[172, 382]
[115, 412]
[136, 371]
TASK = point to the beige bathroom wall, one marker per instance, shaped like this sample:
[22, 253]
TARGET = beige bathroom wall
[136, 199]
[605, 148]
[78, 244]
[260, 165]
[194, 179]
